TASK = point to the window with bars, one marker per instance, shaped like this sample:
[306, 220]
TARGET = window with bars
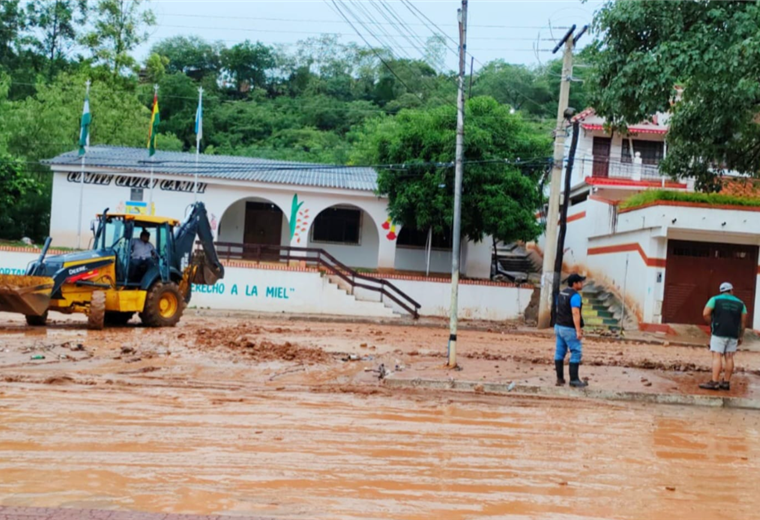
[338, 225]
[651, 152]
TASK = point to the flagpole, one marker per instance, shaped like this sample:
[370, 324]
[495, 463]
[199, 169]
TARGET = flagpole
[150, 205]
[81, 178]
[198, 135]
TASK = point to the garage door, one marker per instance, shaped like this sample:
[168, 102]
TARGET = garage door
[695, 270]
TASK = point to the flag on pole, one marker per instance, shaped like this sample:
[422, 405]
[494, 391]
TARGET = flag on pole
[84, 129]
[199, 122]
[155, 119]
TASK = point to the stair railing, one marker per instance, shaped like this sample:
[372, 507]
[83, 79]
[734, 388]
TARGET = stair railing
[322, 259]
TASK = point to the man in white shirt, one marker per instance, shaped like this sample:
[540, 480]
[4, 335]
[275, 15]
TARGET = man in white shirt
[142, 255]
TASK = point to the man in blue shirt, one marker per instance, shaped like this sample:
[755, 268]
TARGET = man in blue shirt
[568, 328]
[727, 316]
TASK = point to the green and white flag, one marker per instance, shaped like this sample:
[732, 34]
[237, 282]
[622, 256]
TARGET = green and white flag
[84, 131]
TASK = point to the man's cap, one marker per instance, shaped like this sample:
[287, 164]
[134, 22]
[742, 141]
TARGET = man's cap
[575, 278]
[725, 287]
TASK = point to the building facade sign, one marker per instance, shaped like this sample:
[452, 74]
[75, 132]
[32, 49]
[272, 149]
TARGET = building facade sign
[129, 181]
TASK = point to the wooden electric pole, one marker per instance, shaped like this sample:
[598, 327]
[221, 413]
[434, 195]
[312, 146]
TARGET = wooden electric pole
[550, 245]
[458, 173]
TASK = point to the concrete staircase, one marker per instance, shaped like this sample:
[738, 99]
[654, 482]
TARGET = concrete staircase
[364, 303]
[516, 264]
[603, 311]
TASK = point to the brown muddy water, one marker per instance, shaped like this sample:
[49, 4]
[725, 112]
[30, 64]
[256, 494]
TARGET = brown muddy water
[333, 455]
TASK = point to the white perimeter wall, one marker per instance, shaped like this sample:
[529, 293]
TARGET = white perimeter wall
[262, 290]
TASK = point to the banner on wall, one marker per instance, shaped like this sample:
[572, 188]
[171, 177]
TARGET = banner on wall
[139, 208]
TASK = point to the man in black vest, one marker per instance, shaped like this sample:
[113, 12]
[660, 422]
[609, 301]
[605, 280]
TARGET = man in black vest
[568, 328]
[727, 316]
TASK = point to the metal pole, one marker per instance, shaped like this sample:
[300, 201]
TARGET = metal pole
[458, 172]
[81, 181]
[550, 245]
[81, 203]
[429, 247]
[563, 217]
[625, 283]
[198, 141]
[150, 205]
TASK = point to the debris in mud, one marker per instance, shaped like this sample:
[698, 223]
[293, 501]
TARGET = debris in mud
[143, 370]
[479, 389]
[127, 350]
[356, 357]
[670, 488]
[245, 339]
[58, 380]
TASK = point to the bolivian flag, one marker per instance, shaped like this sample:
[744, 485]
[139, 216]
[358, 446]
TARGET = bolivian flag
[155, 119]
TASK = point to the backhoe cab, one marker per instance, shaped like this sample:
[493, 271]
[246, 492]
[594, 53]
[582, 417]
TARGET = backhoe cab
[123, 274]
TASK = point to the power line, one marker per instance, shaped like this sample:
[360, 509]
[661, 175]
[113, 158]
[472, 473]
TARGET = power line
[476, 49]
[377, 54]
[312, 21]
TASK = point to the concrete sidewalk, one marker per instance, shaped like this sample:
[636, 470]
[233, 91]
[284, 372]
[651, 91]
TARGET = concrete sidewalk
[611, 377]
[713, 401]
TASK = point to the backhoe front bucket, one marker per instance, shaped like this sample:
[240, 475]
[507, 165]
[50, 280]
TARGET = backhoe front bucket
[27, 295]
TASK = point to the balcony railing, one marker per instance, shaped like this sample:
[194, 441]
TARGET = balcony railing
[609, 168]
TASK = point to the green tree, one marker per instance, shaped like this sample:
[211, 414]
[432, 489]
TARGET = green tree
[191, 55]
[499, 198]
[118, 27]
[47, 124]
[13, 22]
[518, 86]
[155, 67]
[248, 64]
[15, 186]
[712, 50]
[57, 23]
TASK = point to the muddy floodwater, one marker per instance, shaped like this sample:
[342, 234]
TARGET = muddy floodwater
[189, 421]
[347, 456]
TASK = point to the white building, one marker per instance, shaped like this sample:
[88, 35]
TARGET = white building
[254, 201]
[667, 257]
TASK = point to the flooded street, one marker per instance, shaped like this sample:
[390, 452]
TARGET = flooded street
[347, 456]
[286, 430]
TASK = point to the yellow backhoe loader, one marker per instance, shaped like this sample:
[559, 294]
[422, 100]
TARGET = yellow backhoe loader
[109, 284]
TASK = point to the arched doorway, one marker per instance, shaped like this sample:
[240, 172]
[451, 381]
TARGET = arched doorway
[348, 233]
[253, 221]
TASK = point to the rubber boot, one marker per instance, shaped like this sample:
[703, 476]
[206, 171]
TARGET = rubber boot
[559, 366]
[575, 381]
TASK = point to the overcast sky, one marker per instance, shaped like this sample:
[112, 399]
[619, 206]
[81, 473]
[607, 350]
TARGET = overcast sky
[517, 31]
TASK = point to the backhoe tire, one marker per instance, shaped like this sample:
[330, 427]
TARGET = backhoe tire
[118, 319]
[164, 305]
[37, 321]
[96, 316]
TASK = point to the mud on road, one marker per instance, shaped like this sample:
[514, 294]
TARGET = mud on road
[282, 419]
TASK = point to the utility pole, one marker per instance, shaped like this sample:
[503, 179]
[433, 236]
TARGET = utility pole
[458, 172]
[550, 246]
[563, 214]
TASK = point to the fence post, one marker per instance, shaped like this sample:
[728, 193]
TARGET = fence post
[637, 162]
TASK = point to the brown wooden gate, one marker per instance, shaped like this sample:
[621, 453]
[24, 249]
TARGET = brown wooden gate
[694, 272]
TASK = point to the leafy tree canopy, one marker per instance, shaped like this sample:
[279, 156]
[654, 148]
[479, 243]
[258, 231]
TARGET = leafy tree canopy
[499, 198]
[711, 49]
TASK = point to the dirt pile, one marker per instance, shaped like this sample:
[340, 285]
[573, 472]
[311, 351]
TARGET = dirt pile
[249, 341]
